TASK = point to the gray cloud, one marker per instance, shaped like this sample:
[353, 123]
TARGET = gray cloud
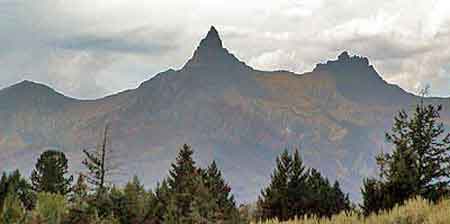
[142, 40]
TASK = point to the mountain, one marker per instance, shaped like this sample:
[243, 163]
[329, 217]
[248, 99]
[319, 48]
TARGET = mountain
[243, 118]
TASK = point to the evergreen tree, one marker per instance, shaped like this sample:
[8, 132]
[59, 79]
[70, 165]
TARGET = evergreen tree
[423, 148]
[183, 182]
[135, 200]
[419, 163]
[319, 201]
[204, 208]
[51, 173]
[339, 200]
[225, 206]
[295, 191]
[162, 205]
[193, 195]
[298, 190]
[275, 196]
[170, 216]
[375, 196]
[15, 183]
[80, 211]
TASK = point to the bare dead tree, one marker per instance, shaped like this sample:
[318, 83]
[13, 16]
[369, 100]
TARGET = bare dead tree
[100, 162]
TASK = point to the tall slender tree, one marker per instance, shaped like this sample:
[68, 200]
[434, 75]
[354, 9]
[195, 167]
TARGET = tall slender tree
[51, 173]
[99, 163]
[275, 196]
[225, 205]
[298, 189]
[419, 163]
[182, 182]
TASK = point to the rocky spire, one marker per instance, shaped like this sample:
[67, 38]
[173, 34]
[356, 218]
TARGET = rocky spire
[211, 52]
[212, 40]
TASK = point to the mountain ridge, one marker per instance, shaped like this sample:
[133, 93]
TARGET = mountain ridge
[228, 111]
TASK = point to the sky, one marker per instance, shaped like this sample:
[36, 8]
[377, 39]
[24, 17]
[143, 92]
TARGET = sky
[91, 48]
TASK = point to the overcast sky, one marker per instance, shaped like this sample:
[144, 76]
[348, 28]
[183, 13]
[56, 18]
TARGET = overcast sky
[91, 48]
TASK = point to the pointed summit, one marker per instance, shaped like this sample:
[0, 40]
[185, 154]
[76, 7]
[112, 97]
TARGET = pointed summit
[344, 56]
[211, 53]
[212, 39]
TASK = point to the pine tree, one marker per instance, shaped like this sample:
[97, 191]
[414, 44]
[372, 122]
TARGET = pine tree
[170, 215]
[135, 199]
[51, 173]
[193, 195]
[295, 191]
[298, 190]
[15, 183]
[318, 204]
[419, 163]
[162, 204]
[375, 196]
[225, 205]
[183, 182]
[204, 208]
[339, 200]
[275, 196]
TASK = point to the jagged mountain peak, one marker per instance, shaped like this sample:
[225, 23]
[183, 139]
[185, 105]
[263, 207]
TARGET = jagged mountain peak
[211, 53]
[212, 39]
[358, 80]
[344, 56]
[345, 61]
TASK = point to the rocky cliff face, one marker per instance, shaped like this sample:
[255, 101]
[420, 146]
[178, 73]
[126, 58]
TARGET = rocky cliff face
[243, 118]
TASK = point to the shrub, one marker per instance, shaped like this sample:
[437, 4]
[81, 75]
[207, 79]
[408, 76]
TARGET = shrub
[13, 212]
[50, 208]
[416, 211]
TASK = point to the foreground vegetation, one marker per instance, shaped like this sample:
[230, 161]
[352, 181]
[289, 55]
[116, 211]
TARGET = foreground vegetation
[418, 166]
[414, 211]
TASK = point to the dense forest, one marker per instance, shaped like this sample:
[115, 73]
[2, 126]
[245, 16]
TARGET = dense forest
[418, 166]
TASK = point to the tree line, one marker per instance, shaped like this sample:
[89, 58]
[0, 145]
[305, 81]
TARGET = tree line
[418, 165]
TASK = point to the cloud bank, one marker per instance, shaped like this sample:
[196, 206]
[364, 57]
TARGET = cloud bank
[91, 48]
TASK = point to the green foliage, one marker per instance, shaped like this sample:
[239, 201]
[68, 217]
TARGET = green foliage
[295, 192]
[223, 205]
[194, 195]
[50, 173]
[162, 205]
[136, 200]
[275, 196]
[419, 164]
[15, 183]
[81, 213]
[182, 182]
[131, 204]
[12, 212]
[50, 208]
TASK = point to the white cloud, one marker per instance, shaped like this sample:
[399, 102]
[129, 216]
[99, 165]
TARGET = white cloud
[90, 48]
